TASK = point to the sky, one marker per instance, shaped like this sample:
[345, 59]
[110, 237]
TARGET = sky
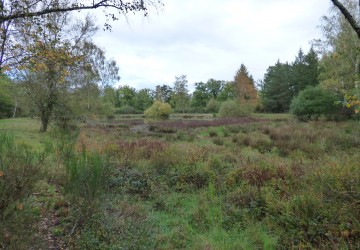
[205, 39]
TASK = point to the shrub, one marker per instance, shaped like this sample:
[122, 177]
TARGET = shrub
[158, 109]
[20, 169]
[232, 108]
[212, 106]
[126, 109]
[313, 102]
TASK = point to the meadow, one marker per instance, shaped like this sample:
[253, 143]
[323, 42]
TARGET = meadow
[260, 182]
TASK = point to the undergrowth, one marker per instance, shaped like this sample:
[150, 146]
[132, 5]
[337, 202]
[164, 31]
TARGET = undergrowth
[277, 184]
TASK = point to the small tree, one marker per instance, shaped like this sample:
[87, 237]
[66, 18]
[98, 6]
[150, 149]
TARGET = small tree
[181, 93]
[313, 102]
[158, 109]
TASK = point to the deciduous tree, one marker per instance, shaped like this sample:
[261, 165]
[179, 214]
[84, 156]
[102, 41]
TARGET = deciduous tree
[181, 93]
[354, 23]
[36, 13]
[51, 52]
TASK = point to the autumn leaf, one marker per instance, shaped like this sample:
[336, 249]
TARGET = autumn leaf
[1, 173]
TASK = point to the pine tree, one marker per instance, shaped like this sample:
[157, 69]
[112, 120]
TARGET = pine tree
[305, 71]
[277, 90]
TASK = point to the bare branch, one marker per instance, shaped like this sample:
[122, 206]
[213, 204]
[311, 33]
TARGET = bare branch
[122, 7]
[348, 16]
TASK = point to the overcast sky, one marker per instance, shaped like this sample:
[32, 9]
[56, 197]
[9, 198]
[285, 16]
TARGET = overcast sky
[206, 39]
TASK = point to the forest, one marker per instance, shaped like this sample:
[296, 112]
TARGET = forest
[86, 163]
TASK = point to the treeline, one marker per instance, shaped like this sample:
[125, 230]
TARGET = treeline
[56, 72]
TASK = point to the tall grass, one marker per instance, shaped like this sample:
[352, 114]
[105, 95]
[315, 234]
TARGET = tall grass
[20, 169]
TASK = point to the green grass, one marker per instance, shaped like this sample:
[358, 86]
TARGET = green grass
[272, 116]
[267, 185]
[25, 130]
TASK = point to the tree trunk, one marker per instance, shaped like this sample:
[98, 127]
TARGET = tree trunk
[44, 123]
[15, 108]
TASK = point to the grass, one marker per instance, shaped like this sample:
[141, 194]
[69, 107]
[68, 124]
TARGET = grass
[24, 130]
[274, 183]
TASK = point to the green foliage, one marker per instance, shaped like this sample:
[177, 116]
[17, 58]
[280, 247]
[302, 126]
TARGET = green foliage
[304, 71]
[228, 92]
[339, 49]
[108, 110]
[143, 99]
[212, 106]
[205, 92]
[283, 81]
[272, 184]
[313, 102]
[126, 110]
[180, 98]
[276, 91]
[6, 102]
[126, 95]
[158, 109]
[234, 109]
[20, 168]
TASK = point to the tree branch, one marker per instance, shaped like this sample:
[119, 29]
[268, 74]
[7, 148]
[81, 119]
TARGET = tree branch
[348, 16]
[119, 5]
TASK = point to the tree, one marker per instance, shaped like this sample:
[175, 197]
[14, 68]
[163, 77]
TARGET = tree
[205, 91]
[50, 54]
[200, 95]
[340, 51]
[36, 12]
[163, 93]
[348, 16]
[227, 92]
[313, 102]
[277, 92]
[109, 95]
[245, 88]
[16, 9]
[158, 109]
[6, 103]
[181, 93]
[143, 99]
[126, 95]
[305, 71]
[93, 75]
[214, 87]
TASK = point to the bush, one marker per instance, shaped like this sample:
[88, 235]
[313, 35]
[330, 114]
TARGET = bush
[232, 108]
[20, 169]
[212, 106]
[158, 109]
[125, 110]
[313, 102]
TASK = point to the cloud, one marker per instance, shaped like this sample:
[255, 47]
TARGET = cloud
[210, 39]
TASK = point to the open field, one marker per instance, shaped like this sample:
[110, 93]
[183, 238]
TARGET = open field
[267, 182]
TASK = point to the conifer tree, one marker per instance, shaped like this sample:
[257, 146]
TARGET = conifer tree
[245, 88]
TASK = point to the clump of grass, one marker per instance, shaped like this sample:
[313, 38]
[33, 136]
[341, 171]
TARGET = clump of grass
[218, 141]
[20, 169]
[213, 133]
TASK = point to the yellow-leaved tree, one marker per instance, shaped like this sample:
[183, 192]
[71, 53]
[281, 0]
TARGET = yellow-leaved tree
[245, 87]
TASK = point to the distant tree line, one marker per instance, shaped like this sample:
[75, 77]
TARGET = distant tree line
[51, 68]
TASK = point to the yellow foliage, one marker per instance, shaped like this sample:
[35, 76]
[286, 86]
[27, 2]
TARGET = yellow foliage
[158, 109]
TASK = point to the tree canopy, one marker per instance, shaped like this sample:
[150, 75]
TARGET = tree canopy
[16, 9]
